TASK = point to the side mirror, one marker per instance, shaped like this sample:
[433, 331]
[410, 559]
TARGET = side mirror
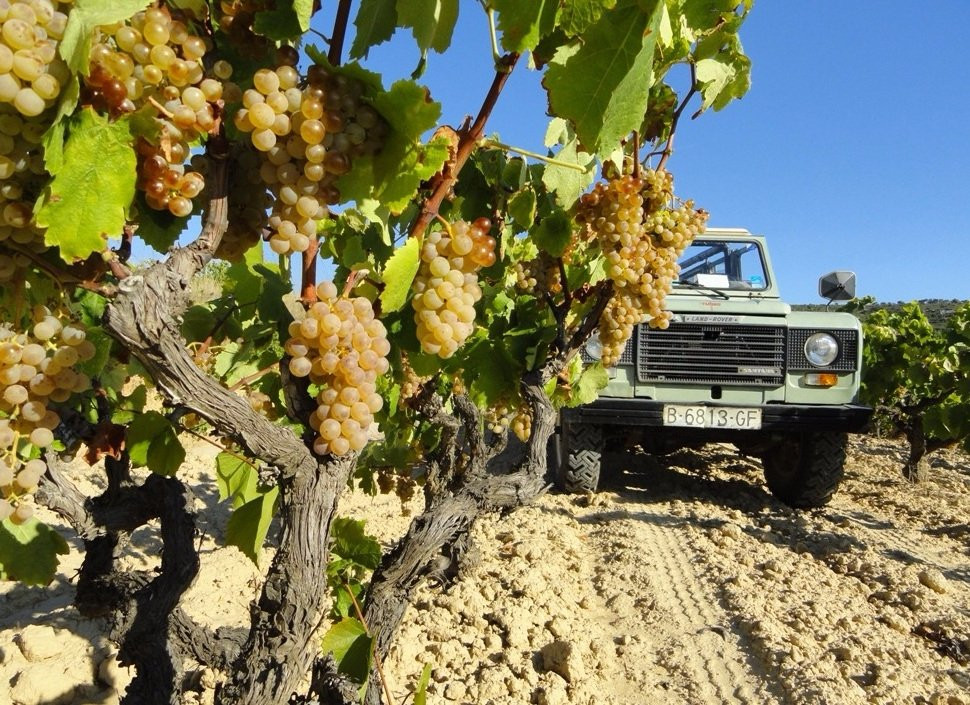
[837, 286]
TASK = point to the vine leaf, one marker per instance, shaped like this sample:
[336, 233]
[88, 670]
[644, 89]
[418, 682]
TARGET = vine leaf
[393, 176]
[236, 478]
[352, 543]
[84, 18]
[28, 552]
[85, 202]
[376, 21]
[567, 184]
[576, 16]
[286, 21]
[589, 384]
[249, 524]
[431, 21]
[152, 442]
[601, 84]
[523, 24]
[553, 233]
[352, 648]
[399, 274]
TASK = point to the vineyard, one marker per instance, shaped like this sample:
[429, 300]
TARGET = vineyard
[281, 354]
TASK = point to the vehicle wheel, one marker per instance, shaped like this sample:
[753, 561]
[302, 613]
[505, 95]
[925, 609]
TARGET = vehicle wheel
[804, 472]
[581, 454]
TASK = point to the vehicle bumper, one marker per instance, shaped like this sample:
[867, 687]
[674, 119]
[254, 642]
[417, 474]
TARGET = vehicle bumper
[607, 411]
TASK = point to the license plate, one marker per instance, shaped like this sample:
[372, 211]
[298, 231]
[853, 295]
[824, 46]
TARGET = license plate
[711, 416]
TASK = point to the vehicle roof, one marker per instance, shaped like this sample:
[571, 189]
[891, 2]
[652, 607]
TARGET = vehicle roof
[728, 232]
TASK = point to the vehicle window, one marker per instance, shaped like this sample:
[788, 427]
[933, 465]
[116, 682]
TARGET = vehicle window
[724, 265]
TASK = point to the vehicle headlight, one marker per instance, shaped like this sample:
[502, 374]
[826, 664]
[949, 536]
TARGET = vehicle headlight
[821, 349]
[594, 348]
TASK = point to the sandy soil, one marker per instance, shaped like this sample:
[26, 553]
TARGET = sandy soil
[683, 581]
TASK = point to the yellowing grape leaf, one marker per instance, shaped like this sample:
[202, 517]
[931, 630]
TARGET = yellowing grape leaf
[399, 274]
[89, 195]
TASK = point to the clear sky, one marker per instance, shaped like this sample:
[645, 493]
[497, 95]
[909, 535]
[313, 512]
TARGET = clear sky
[850, 151]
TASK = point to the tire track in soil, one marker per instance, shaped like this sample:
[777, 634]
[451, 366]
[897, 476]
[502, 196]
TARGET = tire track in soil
[719, 669]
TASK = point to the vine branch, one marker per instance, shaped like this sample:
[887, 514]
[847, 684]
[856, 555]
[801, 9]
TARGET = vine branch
[468, 138]
[669, 147]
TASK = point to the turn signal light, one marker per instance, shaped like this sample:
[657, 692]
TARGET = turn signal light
[821, 379]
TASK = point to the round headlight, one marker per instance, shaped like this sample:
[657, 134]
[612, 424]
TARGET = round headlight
[821, 349]
[594, 348]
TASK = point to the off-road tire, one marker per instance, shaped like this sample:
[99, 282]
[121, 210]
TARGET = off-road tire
[581, 453]
[805, 471]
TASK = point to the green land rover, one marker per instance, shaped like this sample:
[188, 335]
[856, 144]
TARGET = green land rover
[736, 365]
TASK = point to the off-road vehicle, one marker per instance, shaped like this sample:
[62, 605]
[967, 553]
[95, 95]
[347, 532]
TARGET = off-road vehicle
[736, 365]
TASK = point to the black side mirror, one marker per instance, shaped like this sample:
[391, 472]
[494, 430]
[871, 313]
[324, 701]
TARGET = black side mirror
[837, 286]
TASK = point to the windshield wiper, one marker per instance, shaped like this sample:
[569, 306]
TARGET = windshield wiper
[693, 285]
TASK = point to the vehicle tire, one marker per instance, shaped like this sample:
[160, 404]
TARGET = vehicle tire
[581, 454]
[805, 471]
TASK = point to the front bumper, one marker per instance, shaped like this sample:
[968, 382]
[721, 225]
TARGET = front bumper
[606, 411]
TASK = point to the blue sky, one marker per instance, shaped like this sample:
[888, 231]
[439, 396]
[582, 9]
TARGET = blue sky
[850, 151]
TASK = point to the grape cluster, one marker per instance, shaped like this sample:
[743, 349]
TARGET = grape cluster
[539, 276]
[32, 73]
[641, 238]
[308, 138]
[446, 286]
[36, 368]
[341, 346]
[22, 177]
[505, 414]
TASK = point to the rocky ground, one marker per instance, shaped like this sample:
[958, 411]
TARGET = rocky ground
[683, 581]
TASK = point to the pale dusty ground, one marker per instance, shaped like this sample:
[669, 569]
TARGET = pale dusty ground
[682, 582]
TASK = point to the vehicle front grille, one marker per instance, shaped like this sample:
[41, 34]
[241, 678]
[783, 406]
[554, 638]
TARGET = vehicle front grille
[712, 354]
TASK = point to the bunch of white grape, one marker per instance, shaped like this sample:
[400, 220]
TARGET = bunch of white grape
[308, 137]
[505, 414]
[641, 239]
[446, 286]
[22, 177]
[342, 347]
[32, 73]
[36, 368]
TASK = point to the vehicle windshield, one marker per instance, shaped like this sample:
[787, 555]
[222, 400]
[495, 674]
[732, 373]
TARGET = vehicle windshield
[723, 264]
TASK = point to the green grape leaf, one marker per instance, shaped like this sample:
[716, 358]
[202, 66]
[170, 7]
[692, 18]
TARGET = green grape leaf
[587, 387]
[128, 408]
[86, 201]
[53, 139]
[601, 84]
[237, 479]
[576, 16]
[85, 16]
[497, 372]
[351, 542]
[28, 551]
[158, 229]
[567, 184]
[284, 22]
[376, 21]
[553, 233]
[399, 274]
[723, 79]
[152, 442]
[523, 24]
[431, 21]
[522, 208]
[352, 648]
[249, 524]
[393, 175]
